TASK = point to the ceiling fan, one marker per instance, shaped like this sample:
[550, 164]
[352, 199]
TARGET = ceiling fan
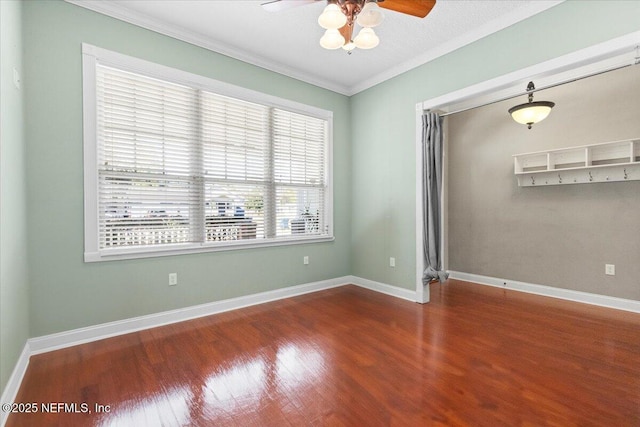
[340, 16]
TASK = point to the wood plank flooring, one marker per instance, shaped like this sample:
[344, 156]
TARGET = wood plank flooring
[474, 356]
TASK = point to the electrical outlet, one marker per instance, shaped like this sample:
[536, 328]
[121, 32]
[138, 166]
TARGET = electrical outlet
[392, 262]
[305, 260]
[610, 269]
[173, 279]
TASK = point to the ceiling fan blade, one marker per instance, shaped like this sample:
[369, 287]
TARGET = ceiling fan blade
[280, 5]
[419, 8]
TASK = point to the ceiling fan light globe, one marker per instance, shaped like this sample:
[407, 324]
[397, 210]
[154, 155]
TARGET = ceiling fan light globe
[332, 39]
[349, 46]
[370, 16]
[366, 39]
[332, 17]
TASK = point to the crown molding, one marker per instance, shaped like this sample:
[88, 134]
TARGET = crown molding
[116, 11]
[491, 27]
[121, 13]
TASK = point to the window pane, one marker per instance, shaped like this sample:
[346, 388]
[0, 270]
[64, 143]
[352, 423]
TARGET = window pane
[299, 211]
[144, 125]
[138, 211]
[235, 138]
[299, 144]
[234, 211]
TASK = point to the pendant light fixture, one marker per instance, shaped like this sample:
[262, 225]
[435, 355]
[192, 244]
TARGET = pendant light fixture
[531, 112]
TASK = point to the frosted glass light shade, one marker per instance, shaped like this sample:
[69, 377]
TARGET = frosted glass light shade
[366, 39]
[531, 112]
[332, 39]
[349, 46]
[332, 17]
[370, 16]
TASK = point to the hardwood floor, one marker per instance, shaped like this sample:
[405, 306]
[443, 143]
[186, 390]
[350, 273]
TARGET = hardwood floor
[475, 355]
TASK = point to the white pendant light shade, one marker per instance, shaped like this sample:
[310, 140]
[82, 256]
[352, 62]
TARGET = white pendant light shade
[366, 39]
[532, 112]
[332, 17]
[370, 16]
[349, 46]
[332, 39]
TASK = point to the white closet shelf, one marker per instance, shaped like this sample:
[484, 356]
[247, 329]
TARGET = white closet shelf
[604, 162]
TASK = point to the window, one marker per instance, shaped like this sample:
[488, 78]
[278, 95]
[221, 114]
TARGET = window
[180, 163]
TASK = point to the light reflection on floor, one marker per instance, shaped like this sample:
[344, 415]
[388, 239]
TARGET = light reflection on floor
[239, 385]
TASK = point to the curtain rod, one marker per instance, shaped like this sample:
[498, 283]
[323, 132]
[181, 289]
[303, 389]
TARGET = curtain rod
[462, 110]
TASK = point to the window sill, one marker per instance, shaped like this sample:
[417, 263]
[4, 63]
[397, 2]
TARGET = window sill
[172, 250]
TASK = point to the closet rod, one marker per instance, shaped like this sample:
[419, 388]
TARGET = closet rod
[462, 110]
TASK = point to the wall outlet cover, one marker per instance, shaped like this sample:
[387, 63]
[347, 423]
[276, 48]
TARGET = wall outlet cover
[610, 269]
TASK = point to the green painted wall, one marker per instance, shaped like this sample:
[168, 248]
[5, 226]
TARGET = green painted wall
[14, 283]
[67, 293]
[374, 135]
[383, 131]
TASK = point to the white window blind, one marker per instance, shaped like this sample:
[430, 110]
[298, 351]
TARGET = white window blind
[299, 171]
[147, 137]
[181, 167]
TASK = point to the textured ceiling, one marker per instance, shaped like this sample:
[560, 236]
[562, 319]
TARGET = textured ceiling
[287, 41]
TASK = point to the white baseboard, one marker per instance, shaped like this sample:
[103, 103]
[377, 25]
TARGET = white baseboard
[93, 333]
[73, 337]
[383, 288]
[550, 291]
[13, 385]
[65, 339]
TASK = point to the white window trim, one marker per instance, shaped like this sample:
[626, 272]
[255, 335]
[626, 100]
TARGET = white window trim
[91, 57]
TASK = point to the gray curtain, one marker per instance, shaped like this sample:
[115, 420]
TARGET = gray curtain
[432, 149]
